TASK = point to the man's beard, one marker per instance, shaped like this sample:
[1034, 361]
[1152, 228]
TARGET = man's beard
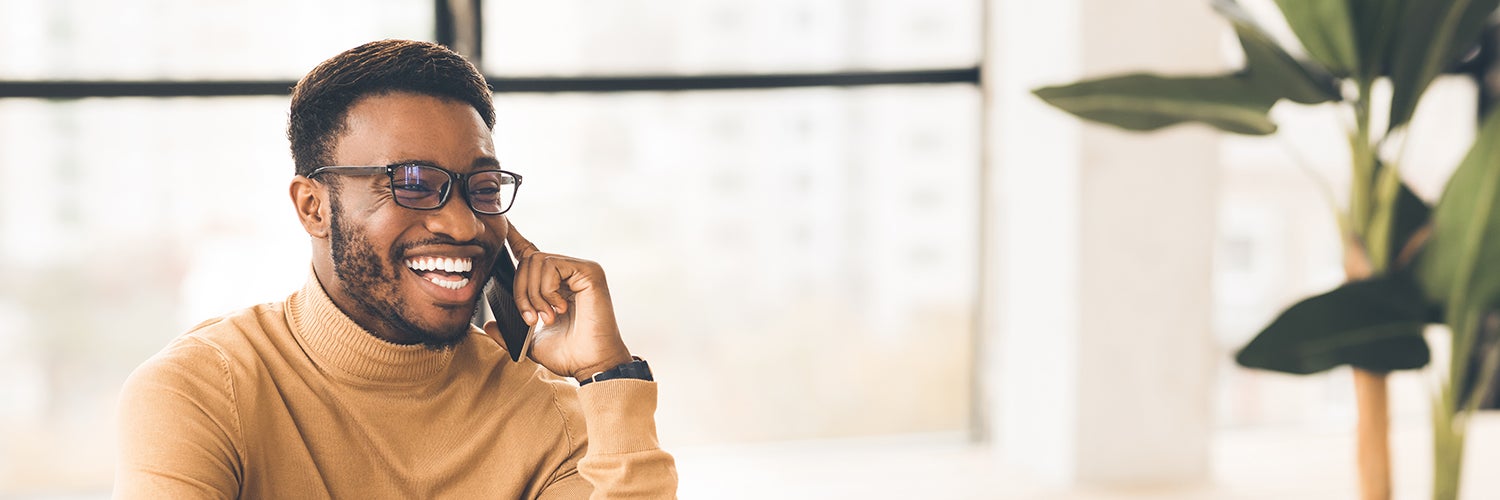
[376, 287]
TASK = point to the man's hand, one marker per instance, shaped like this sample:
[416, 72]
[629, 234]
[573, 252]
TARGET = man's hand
[579, 336]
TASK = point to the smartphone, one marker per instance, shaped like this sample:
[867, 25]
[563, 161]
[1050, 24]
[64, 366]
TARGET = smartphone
[500, 293]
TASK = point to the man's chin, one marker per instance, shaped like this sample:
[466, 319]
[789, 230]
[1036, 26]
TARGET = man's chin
[447, 335]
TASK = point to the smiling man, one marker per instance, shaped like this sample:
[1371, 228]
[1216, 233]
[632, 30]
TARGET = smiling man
[370, 382]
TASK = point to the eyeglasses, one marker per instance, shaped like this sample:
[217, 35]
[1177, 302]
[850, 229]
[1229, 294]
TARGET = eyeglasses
[425, 187]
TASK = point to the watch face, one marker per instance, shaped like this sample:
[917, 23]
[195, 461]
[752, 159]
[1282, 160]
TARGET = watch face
[636, 369]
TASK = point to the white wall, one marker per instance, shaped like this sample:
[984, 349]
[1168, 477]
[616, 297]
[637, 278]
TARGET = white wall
[1098, 358]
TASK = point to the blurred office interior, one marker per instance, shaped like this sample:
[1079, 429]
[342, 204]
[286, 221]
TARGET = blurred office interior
[863, 260]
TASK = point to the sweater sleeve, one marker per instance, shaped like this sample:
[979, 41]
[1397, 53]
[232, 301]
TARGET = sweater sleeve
[624, 459]
[178, 425]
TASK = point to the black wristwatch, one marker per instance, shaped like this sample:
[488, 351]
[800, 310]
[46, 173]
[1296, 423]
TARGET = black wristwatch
[637, 369]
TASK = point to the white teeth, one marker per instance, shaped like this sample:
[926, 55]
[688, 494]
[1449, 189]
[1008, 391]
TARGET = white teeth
[449, 264]
[451, 285]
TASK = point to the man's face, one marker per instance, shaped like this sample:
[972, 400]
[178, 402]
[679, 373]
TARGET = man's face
[383, 254]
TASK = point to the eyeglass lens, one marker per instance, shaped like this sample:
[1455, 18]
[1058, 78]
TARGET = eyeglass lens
[423, 187]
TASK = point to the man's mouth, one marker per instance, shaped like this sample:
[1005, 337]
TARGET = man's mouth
[447, 272]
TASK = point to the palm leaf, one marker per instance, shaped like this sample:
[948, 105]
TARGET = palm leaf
[1270, 68]
[1145, 102]
[1374, 324]
[1434, 35]
[1325, 29]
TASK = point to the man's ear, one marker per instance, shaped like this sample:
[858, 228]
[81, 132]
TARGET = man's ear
[314, 209]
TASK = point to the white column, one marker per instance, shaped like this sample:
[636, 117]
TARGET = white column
[1098, 355]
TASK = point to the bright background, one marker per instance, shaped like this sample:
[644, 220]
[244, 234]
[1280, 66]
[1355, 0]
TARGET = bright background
[803, 267]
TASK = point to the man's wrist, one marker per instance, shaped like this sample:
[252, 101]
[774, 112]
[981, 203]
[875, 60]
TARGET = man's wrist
[611, 363]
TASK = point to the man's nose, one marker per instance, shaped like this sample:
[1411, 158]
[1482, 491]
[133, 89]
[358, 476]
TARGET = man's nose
[455, 219]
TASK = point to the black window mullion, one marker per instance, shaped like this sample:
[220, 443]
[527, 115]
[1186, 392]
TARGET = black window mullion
[235, 88]
[458, 25]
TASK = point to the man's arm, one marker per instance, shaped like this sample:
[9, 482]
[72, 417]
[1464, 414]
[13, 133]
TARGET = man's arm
[577, 336]
[177, 427]
[623, 458]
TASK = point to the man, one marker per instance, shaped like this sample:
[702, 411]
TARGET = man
[370, 382]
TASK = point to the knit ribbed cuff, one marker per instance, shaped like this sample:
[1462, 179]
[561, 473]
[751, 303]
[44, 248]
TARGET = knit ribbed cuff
[621, 415]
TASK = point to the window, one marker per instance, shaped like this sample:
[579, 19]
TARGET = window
[785, 211]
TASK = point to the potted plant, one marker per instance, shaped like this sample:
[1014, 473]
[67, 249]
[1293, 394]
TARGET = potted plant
[1407, 265]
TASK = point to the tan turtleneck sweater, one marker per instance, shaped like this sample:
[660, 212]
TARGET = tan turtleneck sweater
[295, 400]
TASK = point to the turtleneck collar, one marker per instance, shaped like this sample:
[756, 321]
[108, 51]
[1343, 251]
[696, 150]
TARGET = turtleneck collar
[339, 345]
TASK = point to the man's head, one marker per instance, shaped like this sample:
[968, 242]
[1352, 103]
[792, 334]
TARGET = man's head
[321, 101]
[384, 103]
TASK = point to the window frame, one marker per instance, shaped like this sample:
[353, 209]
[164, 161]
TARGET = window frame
[458, 24]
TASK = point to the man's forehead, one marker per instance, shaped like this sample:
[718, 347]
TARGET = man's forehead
[404, 127]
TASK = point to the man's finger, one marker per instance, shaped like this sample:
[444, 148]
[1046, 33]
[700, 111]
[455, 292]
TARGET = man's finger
[519, 245]
[523, 304]
[551, 288]
[524, 278]
[536, 269]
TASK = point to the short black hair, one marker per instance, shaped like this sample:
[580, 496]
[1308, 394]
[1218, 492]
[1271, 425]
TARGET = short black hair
[321, 100]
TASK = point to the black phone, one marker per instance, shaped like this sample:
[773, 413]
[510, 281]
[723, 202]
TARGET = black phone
[500, 293]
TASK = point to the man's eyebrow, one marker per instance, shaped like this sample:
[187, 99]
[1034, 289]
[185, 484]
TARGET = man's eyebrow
[483, 161]
[414, 161]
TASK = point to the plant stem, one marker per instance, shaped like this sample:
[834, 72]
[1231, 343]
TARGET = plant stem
[1364, 169]
[1379, 239]
[1372, 424]
[1371, 213]
[1451, 411]
[1373, 430]
[1448, 428]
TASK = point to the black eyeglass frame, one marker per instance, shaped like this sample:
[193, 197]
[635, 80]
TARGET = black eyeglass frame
[454, 178]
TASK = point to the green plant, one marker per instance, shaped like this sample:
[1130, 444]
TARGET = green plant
[1408, 264]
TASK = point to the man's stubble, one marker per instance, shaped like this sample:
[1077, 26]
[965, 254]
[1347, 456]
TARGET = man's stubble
[375, 283]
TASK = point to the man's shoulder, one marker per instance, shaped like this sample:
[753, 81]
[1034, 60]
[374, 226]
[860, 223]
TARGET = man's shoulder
[234, 326]
[203, 354]
[180, 409]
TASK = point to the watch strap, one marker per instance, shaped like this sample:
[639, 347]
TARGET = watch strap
[635, 369]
